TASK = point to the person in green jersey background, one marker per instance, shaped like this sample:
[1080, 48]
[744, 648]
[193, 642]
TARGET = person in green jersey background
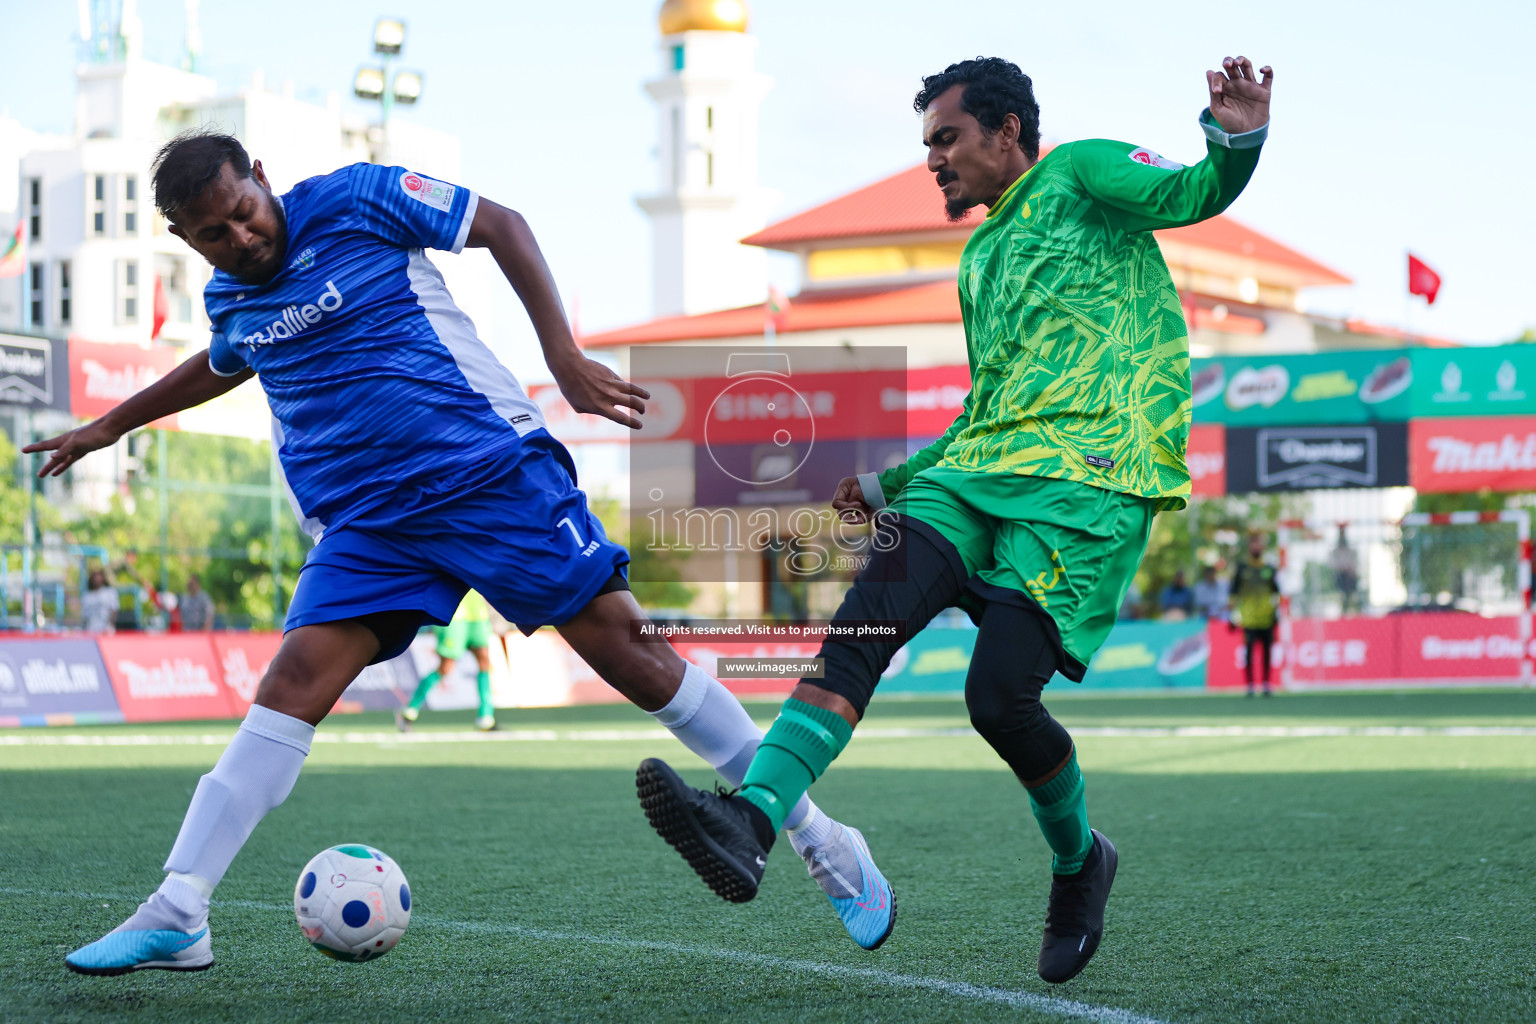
[469, 629]
[1255, 592]
[1033, 510]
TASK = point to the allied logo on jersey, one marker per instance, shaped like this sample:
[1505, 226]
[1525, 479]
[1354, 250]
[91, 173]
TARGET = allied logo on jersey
[436, 194]
[1100, 461]
[304, 260]
[1143, 155]
[295, 319]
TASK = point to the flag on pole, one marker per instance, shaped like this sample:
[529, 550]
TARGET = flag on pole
[1422, 280]
[162, 309]
[13, 258]
[777, 308]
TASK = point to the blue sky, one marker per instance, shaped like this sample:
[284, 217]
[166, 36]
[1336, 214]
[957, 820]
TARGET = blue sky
[1394, 128]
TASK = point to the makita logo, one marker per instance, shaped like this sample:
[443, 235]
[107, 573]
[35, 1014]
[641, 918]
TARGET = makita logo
[1453, 455]
[179, 677]
[297, 318]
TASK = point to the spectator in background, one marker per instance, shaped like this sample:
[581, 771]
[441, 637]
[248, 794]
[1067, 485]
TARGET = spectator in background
[99, 605]
[197, 610]
[1130, 608]
[1211, 594]
[1255, 588]
[1345, 564]
[1177, 600]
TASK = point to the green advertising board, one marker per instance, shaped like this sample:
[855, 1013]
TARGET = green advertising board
[1496, 381]
[1321, 387]
[1136, 656]
[1364, 386]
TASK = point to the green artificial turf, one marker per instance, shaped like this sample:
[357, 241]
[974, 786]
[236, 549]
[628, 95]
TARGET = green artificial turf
[1376, 875]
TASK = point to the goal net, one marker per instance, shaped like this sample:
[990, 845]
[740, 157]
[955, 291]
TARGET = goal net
[1428, 599]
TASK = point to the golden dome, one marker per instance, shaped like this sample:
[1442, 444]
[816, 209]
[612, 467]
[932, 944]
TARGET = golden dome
[703, 16]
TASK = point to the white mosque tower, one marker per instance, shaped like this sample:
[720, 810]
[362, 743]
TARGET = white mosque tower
[707, 196]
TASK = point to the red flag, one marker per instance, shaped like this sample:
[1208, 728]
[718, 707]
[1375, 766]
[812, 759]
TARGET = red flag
[162, 308]
[13, 256]
[1422, 280]
[776, 308]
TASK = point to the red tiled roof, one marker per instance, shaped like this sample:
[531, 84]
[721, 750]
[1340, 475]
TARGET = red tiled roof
[934, 302]
[908, 202]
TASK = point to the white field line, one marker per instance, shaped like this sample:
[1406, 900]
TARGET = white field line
[53, 739]
[1064, 1008]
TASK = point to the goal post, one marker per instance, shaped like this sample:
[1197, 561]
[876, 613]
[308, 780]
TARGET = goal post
[1429, 599]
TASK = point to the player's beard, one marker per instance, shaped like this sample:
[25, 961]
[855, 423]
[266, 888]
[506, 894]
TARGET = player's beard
[267, 269]
[955, 209]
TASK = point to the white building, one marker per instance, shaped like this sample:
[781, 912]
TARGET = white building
[96, 247]
[707, 196]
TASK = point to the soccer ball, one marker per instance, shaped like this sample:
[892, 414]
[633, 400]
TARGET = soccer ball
[352, 902]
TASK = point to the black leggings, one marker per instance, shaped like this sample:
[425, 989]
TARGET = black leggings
[1015, 655]
[1264, 640]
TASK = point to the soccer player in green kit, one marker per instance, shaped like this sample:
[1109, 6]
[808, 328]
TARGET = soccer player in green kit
[1034, 508]
[468, 630]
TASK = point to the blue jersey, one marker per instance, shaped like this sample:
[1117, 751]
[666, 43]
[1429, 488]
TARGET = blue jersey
[377, 381]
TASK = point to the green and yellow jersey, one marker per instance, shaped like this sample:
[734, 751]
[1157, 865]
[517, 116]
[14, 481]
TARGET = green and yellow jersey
[1076, 339]
[1255, 585]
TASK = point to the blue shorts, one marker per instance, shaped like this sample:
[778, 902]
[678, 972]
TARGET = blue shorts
[516, 529]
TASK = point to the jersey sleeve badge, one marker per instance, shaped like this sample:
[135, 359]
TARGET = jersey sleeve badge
[436, 194]
[1142, 155]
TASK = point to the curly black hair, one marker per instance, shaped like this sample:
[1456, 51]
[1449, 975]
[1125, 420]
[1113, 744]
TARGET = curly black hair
[993, 88]
[184, 167]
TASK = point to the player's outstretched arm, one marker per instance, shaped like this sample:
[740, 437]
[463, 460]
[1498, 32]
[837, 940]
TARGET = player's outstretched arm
[1145, 192]
[588, 385]
[192, 383]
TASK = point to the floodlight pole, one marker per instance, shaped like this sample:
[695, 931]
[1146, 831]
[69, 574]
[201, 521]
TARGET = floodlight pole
[387, 101]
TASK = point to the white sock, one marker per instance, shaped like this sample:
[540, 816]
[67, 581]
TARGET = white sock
[255, 773]
[709, 720]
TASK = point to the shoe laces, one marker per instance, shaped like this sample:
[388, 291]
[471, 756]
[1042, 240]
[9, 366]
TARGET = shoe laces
[1067, 912]
[726, 793]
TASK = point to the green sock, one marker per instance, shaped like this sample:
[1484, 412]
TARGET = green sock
[483, 683]
[422, 689]
[800, 744]
[1062, 811]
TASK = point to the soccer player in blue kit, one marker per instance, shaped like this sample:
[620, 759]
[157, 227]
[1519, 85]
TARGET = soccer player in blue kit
[422, 470]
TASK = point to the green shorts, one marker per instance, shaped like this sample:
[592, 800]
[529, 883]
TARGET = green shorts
[454, 638]
[1072, 548]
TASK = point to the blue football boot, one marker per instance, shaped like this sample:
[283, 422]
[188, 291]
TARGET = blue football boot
[149, 940]
[860, 893]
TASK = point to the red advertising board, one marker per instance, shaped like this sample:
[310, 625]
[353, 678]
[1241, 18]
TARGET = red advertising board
[935, 395]
[1452, 645]
[103, 375]
[1207, 458]
[163, 678]
[1497, 453]
[243, 660]
[1410, 648]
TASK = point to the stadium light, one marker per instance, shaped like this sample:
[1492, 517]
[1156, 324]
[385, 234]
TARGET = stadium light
[388, 36]
[369, 84]
[407, 87]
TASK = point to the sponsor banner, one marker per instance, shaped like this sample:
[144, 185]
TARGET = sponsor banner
[1452, 645]
[165, 678]
[800, 409]
[103, 375]
[389, 685]
[771, 474]
[1207, 459]
[1499, 380]
[54, 682]
[34, 372]
[1473, 454]
[1315, 458]
[1151, 655]
[243, 660]
[1322, 387]
[934, 397]
[1343, 651]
